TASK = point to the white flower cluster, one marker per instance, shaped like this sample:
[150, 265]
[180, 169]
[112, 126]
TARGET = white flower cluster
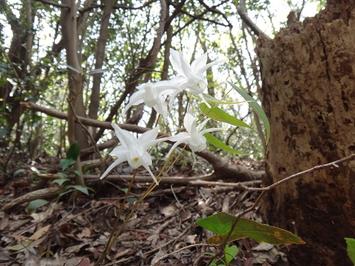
[155, 95]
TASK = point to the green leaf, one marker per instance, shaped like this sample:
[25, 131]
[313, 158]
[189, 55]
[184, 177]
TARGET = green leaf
[213, 263]
[350, 242]
[221, 145]
[256, 108]
[218, 114]
[79, 188]
[73, 152]
[216, 262]
[230, 252]
[35, 204]
[221, 223]
[66, 163]
[60, 181]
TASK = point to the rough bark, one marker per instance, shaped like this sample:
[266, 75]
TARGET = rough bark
[308, 73]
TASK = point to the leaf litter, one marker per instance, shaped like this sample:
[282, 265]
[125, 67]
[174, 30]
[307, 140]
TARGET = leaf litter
[74, 232]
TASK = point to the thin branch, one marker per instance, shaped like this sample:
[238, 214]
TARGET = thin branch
[84, 120]
[214, 9]
[200, 16]
[246, 19]
[118, 6]
[180, 180]
[315, 168]
[48, 2]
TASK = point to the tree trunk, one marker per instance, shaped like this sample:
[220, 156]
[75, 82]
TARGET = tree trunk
[76, 134]
[99, 57]
[308, 74]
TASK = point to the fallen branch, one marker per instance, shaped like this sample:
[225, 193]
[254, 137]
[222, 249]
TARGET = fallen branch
[178, 180]
[202, 180]
[222, 168]
[44, 193]
[86, 121]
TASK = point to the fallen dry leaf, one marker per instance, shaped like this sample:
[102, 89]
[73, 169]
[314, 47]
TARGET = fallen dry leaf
[40, 232]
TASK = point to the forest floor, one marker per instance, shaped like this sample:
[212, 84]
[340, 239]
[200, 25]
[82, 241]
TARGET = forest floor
[73, 229]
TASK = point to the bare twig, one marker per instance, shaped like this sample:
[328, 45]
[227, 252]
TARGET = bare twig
[246, 19]
[178, 180]
[48, 2]
[118, 6]
[315, 168]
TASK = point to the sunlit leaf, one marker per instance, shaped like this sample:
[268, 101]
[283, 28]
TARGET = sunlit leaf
[230, 252]
[350, 243]
[218, 114]
[220, 144]
[256, 108]
[35, 204]
[221, 224]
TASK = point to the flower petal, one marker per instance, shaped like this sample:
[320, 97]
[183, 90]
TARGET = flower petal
[151, 174]
[186, 68]
[125, 137]
[203, 124]
[136, 98]
[215, 62]
[182, 136]
[173, 148]
[113, 165]
[119, 151]
[175, 61]
[199, 64]
[148, 138]
[189, 122]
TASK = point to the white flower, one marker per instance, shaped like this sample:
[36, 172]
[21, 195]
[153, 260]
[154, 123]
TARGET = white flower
[133, 150]
[193, 136]
[153, 95]
[192, 76]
